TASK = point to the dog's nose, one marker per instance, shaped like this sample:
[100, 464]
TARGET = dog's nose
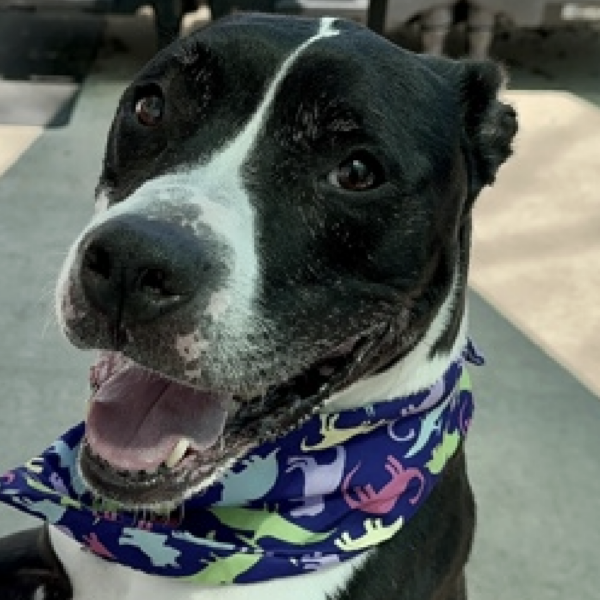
[134, 269]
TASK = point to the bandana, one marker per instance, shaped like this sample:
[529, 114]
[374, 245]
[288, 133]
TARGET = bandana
[324, 493]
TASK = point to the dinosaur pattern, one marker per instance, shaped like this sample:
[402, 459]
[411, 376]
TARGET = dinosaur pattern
[266, 524]
[374, 531]
[441, 453]
[68, 460]
[96, 546]
[217, 570]
[251, 479]
[153, 545]
[319, 480]
[331, 435]
[321, 494]
[381, 502]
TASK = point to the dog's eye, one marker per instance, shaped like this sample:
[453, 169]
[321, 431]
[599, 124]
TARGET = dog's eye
[358, 173]
[149, 108]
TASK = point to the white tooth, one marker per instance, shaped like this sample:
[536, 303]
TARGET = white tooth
[178, 453]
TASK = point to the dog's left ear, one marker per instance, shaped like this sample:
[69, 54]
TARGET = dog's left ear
[489, 124]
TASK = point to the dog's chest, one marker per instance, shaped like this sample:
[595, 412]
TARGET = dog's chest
[96, 579]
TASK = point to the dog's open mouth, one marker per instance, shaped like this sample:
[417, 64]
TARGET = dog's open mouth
[151, 441]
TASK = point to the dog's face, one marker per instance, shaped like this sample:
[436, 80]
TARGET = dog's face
[284, 207]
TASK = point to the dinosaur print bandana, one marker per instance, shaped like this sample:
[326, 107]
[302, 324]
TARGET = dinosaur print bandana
[324, 493]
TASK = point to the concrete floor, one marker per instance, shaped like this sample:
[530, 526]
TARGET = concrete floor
[534, 446]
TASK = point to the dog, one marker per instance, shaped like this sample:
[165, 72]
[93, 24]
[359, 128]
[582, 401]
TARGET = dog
[280, 245]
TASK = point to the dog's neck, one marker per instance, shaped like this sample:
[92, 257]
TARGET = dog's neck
[416, 371]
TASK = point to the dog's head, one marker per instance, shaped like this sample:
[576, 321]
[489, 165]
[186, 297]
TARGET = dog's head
[284, 208]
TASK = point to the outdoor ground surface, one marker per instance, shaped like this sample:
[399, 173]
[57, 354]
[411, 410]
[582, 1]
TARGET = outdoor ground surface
[535, 445]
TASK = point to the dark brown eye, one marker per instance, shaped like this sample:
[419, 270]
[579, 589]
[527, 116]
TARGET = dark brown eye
[149, 110]
[358, 173]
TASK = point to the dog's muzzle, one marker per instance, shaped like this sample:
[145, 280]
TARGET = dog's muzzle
[154, 431]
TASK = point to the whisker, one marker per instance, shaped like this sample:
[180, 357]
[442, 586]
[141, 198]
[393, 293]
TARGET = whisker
[181, 513]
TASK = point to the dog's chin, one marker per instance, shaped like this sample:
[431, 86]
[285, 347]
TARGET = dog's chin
[152, 442]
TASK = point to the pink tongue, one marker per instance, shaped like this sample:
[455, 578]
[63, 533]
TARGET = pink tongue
[137, 417]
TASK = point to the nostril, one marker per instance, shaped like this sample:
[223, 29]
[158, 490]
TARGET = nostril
[156, 282]
[97, 261]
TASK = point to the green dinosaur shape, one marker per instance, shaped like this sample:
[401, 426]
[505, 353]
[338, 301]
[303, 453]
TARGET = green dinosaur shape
[375, 533]
[224, 570]
[465, 381]
[333, 436]
[262, 523]
[250, 525]
[35, 465]
[64, 500]
[442, 452]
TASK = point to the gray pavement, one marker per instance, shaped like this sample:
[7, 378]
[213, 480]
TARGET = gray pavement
[534, 450]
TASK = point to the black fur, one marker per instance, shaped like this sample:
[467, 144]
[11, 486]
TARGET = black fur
[333, 262]
[28, 564]
[425, 561]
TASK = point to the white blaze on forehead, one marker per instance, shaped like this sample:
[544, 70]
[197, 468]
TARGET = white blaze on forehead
[220, 183]
[232, 159]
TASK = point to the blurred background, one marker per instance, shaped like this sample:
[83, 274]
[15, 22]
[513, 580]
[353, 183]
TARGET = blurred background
[535, 445]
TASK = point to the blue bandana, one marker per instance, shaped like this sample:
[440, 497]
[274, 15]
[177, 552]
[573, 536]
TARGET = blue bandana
[324, 493]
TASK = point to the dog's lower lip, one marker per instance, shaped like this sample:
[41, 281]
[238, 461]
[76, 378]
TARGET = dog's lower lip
[255, 421]
[131, 489]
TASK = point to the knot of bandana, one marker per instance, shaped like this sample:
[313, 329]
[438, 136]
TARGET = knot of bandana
[321, 494]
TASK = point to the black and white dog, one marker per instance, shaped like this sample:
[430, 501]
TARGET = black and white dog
[282, 228]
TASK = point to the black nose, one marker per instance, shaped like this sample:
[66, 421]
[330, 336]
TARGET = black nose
[135, 269]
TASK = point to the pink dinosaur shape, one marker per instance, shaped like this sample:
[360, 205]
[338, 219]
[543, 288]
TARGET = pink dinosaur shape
[382, 501]
[8, 477]
[96, 546]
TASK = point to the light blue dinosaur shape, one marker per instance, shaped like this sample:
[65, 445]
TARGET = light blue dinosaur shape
[68, 460]
[253, 482]
[152, 544]
[207, 541]
[431, 422]
[49, 511]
